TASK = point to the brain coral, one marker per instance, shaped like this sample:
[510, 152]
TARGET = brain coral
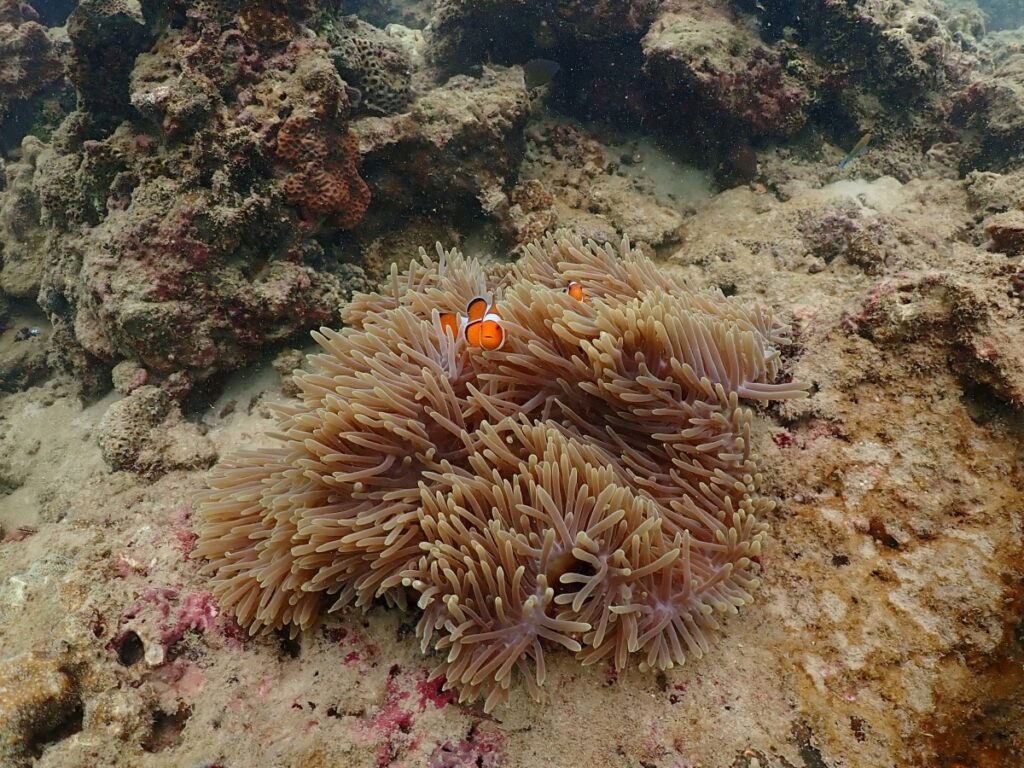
[367, 58]
[589, 485]
[325, 181]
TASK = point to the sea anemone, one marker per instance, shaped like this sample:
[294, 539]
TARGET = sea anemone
[588, 486]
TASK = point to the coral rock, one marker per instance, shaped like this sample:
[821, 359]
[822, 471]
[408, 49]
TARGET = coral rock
[146, 433]
[457, 144]
[22, 258]
[601, 20]
[23, 360]
[128, 376]
[464, 32]
[717, 67]
[106, 36]
[1006, 231]
[185, 214]
[37, 697]
[28, 62]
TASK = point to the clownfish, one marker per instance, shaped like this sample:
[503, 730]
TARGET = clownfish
[477, 308]
[481, 325]
[484, 328]
[575, 290]
[486, 333]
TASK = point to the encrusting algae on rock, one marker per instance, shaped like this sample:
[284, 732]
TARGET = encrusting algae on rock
[588, 485]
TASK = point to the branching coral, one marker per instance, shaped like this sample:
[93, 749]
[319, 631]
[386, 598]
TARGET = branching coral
[589, 486]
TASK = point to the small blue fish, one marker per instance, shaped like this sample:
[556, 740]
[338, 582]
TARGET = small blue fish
[857, 151]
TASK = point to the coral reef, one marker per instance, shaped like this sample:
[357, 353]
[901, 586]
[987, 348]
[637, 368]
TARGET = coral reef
[202, 210]
[23, 355]
[730, 76]
[1006, 232]
[106, 36]
[590, 484]
[707, 63]
[571, 179]
[988, 113]
[22, 246]
[205, 176]
[511, 31]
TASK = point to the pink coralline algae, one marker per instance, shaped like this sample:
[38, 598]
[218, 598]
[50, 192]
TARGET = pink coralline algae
[393, 727]
[483, 750]
[162, 616]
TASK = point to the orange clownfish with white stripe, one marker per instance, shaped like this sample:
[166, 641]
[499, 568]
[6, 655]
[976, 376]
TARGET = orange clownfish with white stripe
[481, 325]
[575, 290]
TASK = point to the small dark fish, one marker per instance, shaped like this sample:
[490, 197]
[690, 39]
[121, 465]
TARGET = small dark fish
[538, 72]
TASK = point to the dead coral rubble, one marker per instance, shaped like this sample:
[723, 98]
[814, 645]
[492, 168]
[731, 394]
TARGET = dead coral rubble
[589, 485]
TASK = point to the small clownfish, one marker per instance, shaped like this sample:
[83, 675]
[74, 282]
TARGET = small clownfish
[486, 333]
[481, 325]
[477, 308]
[575, 290]
[484, 328]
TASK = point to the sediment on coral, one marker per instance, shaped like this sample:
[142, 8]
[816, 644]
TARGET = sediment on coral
[588, 485]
